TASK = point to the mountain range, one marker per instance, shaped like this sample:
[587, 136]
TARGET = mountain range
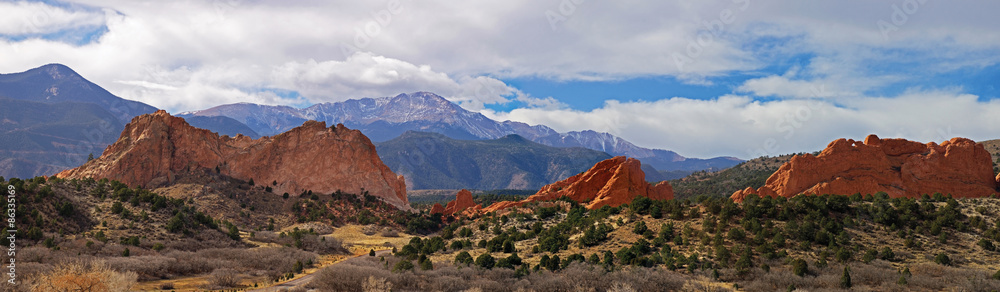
[434, 161]
[55, 119]
[385, 118]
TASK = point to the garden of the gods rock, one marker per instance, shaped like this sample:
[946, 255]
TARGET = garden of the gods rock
[556, 145]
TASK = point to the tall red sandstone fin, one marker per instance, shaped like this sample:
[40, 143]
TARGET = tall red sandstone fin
[899, 167]
[462, 202]
[611, 182]
[155, 147]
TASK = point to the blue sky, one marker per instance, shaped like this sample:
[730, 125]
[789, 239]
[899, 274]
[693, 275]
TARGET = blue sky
[703, 78]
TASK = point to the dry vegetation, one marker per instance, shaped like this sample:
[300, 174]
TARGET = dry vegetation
[714, 246]
[354, 274]
[934, 243]
[104, 229]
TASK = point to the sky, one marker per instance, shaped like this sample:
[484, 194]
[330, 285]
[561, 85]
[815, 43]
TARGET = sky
[742, 78]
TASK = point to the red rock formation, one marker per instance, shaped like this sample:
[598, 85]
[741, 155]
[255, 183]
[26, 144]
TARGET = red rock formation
[462, 203]
[611, 182]
[437, 208]
[154, 148]
[900, 168]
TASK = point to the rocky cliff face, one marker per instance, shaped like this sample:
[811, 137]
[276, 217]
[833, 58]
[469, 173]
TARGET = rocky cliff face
[154, 148]
[462, 203]
[611, 182]
[901, 168]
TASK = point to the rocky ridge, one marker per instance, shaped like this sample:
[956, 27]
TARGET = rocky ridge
[154, 148]
[462, 204]
[611, 182]
[899, 167]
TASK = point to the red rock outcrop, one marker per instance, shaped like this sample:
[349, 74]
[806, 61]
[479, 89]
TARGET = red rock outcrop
[154, 148]
[462, 203]
[899, 167]
[437, 208]
[611, 182]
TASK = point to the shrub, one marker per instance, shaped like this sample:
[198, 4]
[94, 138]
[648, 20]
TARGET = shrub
[986, 244]
[371, 252]
[736, 234]
[403, 265]
[869, 256]
[486, 261]
[800, 267]
[553, 263]
[373, 284]
[78, 277]
[640, 228]
[887, 254]
[843, 255]
[426, 264]
[224, 277]
[942, 259]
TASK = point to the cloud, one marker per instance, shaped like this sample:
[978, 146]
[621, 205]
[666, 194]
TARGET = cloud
[743, 127]
[23, 18]
[781, 86]
[695, 42]
[769, 55]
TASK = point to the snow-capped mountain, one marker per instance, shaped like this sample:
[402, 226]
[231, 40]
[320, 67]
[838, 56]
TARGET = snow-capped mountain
[385, 118]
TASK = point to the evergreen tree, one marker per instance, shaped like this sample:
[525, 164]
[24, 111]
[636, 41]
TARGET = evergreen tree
[845, 279]
[486, 261]
[800, 267]
[463, 258]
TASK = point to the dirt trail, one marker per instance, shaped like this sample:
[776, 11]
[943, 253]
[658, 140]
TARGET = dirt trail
[301, 282]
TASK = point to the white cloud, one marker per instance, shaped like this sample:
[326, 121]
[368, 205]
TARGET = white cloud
[35, 18]
[189, 55]
[782, 86]
[739, 126]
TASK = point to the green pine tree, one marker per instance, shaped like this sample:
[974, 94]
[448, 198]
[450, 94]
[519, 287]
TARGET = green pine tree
[845, 279]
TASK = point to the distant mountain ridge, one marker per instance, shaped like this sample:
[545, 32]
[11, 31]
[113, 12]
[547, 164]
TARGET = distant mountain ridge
[384, 118]
[53, 119]
[435, 161]
[54, 83]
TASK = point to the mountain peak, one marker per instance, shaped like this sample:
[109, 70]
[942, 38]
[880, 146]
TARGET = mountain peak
[515, 138]
[57, 71]
[426, 99]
